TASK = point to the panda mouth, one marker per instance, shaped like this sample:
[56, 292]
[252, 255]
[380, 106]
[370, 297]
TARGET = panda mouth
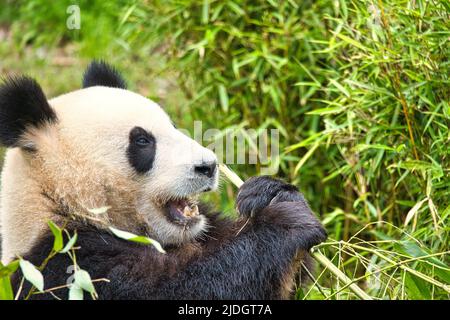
[182, 211]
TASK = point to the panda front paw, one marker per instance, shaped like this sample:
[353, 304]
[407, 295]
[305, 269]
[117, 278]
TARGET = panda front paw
[273, 203]
[296, 218]
[259, 192]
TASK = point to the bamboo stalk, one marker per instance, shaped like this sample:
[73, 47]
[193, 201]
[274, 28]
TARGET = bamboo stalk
[324, 261]
[319, 257]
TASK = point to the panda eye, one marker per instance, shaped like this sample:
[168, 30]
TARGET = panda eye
[142, 142]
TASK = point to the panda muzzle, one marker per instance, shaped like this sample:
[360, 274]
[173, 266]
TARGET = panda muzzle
[182, 211]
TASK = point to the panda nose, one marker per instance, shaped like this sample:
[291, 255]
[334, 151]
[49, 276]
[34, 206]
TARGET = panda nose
[206, 168]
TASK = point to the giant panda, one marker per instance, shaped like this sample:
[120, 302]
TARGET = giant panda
[104, 146]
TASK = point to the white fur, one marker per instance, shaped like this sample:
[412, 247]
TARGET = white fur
[82, 163]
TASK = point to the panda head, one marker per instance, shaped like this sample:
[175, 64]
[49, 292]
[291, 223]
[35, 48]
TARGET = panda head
[101, 147]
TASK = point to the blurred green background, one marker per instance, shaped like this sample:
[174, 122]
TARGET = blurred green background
[358, 89]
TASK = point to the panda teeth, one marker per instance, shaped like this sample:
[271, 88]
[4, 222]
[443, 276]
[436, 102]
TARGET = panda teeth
[194, 211]
[187, 211]
[190, 212]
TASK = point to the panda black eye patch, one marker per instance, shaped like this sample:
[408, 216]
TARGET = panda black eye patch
[141, 149]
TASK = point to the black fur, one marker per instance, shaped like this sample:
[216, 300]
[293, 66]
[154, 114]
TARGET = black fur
[258, 192]
[22, 105]
[229, 263]
[141, 157]
[99, 73]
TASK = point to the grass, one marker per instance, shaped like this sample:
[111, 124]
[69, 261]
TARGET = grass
[358, 89]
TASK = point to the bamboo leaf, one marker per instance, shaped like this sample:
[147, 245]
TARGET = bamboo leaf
[205, 11]
[75, 292]
[305, 158]
[9, 269]
[223, 96]
[414, 211]
[138, 239]
[70, 244]
[6, 291]
[324, 111]
[32, 274]
[417, 288]
[57, 233]
[83, 280]
[352, 42]
[340, 88]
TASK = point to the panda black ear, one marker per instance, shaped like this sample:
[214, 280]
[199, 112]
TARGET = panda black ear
[22, 105]
[99, 73]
